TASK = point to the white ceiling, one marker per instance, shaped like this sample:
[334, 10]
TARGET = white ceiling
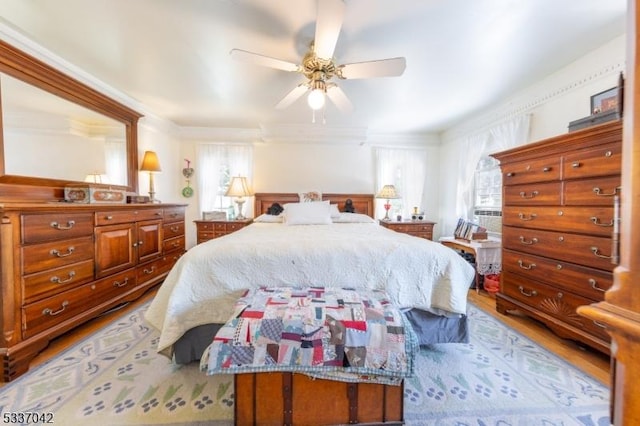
[173, 55]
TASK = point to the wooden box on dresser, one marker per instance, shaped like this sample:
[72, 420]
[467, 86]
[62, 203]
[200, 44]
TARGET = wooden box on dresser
[64, 264]
[557, 227]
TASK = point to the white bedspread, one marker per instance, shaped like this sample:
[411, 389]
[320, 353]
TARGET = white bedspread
[204, 284]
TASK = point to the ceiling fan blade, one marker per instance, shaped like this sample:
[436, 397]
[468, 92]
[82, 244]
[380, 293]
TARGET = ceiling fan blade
[391, 67]
[293, 95]
[329, 19]
[339, 99]
[265, 61]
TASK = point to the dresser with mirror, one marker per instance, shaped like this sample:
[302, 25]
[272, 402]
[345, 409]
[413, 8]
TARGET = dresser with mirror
[63, 263]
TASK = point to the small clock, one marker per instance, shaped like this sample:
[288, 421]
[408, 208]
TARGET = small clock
[187, 191]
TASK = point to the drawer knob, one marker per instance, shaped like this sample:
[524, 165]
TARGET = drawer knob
[174, 229]
[596, 252]
[109, 217]
[523, 216]
[599, 192]
[58, 280]
[51, 312]
[608, 154]
[576, 164]
[547, 169]
[597, 222]
[532, 293]
[121, 284]
[57, 253]
[528, 242]
[523, 194]
[595, 286]
[70, 224]
[523, 266]
[511, 174]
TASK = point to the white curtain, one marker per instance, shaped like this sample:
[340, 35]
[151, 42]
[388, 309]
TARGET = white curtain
[406, 169]
[504, 136]
[115, 154]
[216, 163]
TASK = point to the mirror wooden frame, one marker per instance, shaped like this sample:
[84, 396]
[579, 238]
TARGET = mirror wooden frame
[28, 69]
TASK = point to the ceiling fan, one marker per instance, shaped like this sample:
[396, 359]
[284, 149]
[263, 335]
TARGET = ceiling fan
[318, 64]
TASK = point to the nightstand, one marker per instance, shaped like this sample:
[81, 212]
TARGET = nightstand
[209, 229]
[417, 228]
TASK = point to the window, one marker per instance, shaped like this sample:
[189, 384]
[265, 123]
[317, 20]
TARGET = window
[487, 207]
[406, 169]
[217, 163]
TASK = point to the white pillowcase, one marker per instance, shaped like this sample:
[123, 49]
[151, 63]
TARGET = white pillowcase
[335, 211]
[269, 218]
[353, 218]
[307, 213]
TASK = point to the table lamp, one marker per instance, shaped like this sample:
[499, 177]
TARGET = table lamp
[239, 188]
[151, 164]
[387, 192]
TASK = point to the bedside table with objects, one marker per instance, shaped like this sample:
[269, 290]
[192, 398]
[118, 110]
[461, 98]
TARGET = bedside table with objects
[209, 229]
[486, 253]
[417, 228]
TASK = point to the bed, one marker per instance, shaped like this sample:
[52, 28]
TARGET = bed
[428, 281]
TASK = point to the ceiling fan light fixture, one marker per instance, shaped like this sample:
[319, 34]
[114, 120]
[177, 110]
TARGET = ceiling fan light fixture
[316, 99]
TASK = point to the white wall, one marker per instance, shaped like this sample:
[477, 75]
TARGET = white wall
[553, 102]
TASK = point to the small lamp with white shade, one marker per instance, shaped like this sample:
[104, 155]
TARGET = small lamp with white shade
[239, 188]
[389, 193]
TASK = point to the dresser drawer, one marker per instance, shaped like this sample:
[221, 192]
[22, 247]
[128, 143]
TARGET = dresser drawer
[588, 282]
[115, 285]
[584, 250]
[205, 236]
[533, 194]
[602, 161]
[538, 170]
[592, 192]
[127, 216]
[173, 214]
[173, 244]
[234, 226]
[594, 220]
[44, 314]
[150, 271]
[38, 228]
[561, 305]
[41, 284]
[171, 230]
[40, 257]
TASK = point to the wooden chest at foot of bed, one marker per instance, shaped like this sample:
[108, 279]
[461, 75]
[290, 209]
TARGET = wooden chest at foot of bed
[297, 399]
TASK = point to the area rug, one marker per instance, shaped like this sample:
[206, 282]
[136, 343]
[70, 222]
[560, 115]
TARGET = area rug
[115, 377]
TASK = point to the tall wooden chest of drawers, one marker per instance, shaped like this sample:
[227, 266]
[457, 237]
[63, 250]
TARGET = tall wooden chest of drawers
[557, 228]
[62, 265]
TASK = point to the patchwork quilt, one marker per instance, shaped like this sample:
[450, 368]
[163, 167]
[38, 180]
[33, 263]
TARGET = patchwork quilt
[335, 333]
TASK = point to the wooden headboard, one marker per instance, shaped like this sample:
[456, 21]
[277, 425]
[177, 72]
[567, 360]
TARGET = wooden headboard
[363, 203]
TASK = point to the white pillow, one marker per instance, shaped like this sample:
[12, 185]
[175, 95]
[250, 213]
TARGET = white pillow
[335, 211]
[269, 218]
[310, 196]
[353, 218]
[307, 214]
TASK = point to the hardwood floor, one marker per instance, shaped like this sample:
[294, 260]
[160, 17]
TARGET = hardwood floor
[589, 360]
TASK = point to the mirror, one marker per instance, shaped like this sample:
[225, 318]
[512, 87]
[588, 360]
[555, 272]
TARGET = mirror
[46, 136]
[57, 131]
